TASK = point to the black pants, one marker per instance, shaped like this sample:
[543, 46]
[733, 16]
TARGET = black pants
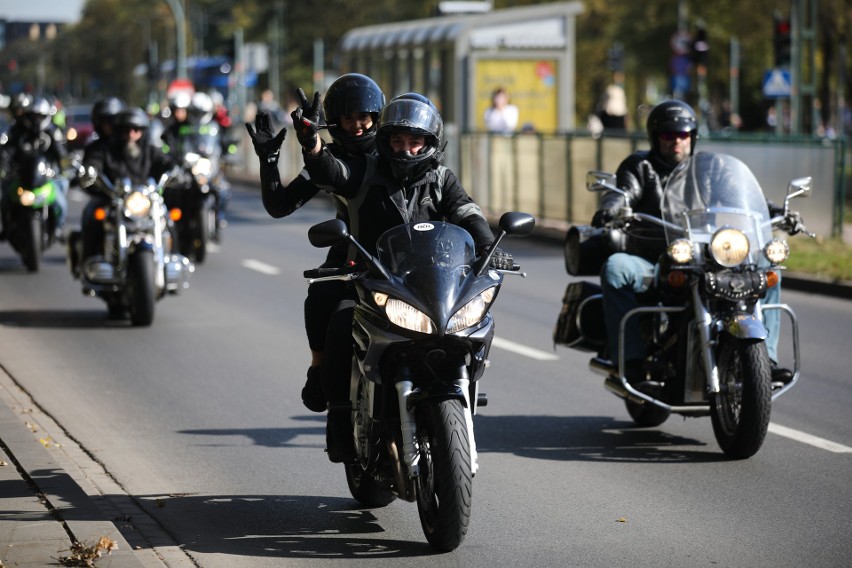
[337, 363]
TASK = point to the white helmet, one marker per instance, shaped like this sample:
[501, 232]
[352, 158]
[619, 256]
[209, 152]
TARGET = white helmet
[201, 108]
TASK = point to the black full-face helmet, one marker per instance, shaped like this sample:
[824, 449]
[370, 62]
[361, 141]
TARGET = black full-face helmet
[105, 112]
[414, 114]
[37, 115]
[353, 93]
[672, 116]
[133, 117]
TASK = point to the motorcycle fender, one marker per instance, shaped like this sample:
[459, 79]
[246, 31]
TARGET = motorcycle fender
[145, 243]
[440, 391]
[745, 326]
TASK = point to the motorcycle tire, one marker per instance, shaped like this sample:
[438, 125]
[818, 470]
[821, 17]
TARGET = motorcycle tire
[200, 234]
[365, 489]
[31, 246]
[740, 413]
[445, 484]
[141, 287]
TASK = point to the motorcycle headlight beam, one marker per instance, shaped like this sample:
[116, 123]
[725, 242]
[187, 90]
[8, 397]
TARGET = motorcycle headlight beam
[729, 247]
[27, 198]
[681, 251]
[472, 312]
[137, 205]
[202, 167]
[407, 317]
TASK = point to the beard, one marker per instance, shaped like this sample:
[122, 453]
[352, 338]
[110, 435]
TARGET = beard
[132, 150]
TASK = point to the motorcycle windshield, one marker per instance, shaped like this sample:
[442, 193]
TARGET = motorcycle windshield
[432, 259]
[710, 191]
[202, 140]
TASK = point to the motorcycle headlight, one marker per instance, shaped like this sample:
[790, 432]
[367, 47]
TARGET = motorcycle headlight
[472, 312]
[405, 316]
[202, 167]
[26, 197]
[137, 205]
[776, 251]
[729, 247]
[680, 251]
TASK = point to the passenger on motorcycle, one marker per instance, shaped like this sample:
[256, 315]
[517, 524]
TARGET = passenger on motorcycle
[126, 154]
[672, 132]
[33, 132]
[405, 182]
[351, 107]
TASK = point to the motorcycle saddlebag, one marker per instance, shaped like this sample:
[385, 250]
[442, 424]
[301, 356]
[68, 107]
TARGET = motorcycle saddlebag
[581, 322]
[586, 248]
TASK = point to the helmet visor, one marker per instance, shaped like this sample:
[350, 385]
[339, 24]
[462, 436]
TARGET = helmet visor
[412, 115]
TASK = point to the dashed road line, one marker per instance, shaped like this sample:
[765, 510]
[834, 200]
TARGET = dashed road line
[809, 439]
[261, 267]
[523, 350]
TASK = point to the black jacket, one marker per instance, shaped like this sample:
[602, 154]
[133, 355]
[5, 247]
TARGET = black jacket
[110, 159]
[376, 201]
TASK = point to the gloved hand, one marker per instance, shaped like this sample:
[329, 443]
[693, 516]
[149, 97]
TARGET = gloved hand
[775, 210]
[501, 260]
[603, 216]
[266, 143]
[306, 120]
[793, 223]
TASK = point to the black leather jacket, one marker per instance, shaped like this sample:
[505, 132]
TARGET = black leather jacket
[643, 175]
[376, 201]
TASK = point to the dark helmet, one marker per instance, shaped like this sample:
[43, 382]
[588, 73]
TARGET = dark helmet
[133, 117]
[672, 116]
[105, 112]
[415, 114]
[37, 115]
[20, 103]
[351, 93]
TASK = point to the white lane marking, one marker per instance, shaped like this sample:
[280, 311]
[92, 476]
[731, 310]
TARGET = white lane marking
[523, 350]
[261, 267]
[815, 441]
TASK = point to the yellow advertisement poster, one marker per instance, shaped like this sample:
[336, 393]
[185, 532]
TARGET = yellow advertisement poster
[531, 85]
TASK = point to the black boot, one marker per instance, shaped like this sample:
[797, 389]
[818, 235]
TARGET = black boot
[781, 375]
[313, 396]
[340, 444]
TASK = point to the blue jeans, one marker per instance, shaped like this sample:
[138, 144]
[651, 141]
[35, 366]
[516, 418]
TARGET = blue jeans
[623, 276]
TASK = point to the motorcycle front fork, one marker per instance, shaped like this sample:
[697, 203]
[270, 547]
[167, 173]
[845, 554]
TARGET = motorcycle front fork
[408, 423]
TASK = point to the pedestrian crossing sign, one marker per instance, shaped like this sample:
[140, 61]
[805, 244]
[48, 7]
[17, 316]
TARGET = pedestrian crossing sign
[777, 84]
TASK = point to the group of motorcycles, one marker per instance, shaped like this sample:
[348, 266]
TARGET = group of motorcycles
[422, 332]
[153, 233]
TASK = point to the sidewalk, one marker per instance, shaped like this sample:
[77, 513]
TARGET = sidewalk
[43, 511]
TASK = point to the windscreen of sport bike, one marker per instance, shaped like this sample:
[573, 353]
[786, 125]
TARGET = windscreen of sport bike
[710, 191]
[431, 258]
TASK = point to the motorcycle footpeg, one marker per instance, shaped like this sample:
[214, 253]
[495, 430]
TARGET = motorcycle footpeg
[481, 399]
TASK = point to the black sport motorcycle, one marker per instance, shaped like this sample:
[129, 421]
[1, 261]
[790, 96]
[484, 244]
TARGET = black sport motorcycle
[703, 320]
[422, 331]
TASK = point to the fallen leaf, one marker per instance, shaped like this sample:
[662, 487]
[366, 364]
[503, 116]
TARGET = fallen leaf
[621, 520]
[45, 441]
[3, 464]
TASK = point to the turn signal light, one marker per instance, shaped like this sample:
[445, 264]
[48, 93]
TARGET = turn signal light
[772, 278]
[100, 214]
[175, 214]
[676, 279]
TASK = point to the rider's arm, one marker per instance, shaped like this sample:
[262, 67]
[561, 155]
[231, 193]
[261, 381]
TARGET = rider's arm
[457, 206]
[335, 175]
[282, 200]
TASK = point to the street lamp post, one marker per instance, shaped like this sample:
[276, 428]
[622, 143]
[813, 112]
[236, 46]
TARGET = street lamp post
[180, 31]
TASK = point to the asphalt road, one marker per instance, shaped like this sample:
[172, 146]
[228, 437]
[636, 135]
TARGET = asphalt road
[196, 421]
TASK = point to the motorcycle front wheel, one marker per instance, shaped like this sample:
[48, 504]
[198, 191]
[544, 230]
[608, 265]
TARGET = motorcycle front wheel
[740, 412]
[31, 246]
[445, 484]
[141, 288]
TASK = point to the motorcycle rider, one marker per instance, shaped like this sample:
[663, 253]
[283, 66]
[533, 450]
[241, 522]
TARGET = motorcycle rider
[126, 154]
[405, 182]
[672, 132]
[34, 132]
[351, 107]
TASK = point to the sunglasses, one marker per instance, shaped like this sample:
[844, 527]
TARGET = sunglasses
[669, 136]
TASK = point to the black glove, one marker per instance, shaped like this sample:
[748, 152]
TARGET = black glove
[306, 120]
[603, 216]
[793, 223]
[501, 260]
[266, 143]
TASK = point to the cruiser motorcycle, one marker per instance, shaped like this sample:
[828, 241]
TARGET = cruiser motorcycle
[28, 214]
[137, 266]
[196, 207]
[703, 320]
[422, 331]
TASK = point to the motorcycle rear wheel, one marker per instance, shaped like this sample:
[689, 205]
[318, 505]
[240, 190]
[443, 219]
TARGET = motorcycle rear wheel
[141, 288]
[445, 484]
[740, 413]
[365, 489]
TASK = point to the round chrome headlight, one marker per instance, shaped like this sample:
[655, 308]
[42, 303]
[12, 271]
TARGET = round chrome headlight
[137, 205]
[729, 247]
[681, 251]
[776, 251]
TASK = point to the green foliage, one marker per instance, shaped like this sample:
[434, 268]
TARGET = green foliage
[827, 258]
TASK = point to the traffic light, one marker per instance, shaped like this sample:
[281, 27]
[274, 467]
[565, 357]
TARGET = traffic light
[783, 42]
[700, 46]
